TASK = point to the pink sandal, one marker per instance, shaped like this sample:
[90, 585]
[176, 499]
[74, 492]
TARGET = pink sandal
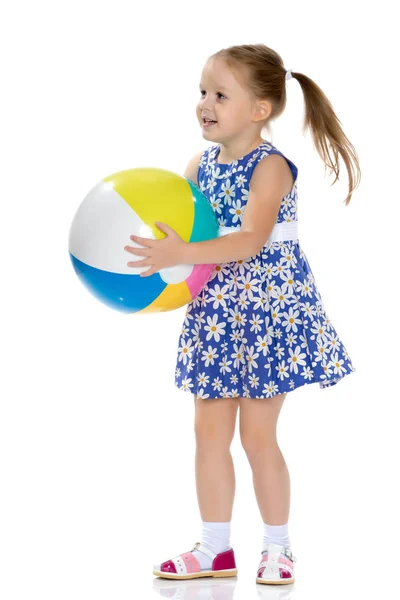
[186, 566]
[276, 566]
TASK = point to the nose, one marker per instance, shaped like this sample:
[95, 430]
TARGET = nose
[205, 104]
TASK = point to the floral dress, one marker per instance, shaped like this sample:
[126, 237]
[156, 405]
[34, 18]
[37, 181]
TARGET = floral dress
[259, 327]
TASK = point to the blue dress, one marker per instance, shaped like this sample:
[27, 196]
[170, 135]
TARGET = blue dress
[259, 327]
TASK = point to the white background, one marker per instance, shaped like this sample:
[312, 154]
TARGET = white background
[96, 444]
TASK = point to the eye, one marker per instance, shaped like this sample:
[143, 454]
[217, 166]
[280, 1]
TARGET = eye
[219, 95]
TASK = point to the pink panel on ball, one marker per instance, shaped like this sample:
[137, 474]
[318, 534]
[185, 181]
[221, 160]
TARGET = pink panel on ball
[198, 278]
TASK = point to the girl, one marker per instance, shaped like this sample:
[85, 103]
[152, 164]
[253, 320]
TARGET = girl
[259, 329]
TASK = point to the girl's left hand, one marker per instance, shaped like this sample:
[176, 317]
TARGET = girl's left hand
[167, 252]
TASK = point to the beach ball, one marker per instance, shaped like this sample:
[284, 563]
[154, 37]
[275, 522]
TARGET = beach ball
[129, 203]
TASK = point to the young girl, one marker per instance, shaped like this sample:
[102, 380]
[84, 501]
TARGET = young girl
[259, 329]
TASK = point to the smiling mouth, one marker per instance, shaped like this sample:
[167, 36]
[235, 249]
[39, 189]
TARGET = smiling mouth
[209, 122]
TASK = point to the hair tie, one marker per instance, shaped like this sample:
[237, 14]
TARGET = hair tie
[289, 74]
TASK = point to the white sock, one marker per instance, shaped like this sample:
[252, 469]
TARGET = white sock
[215, 537]
[276, 534]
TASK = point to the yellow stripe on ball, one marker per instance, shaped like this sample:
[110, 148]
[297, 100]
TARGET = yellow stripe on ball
[173, 296]
[153, 194]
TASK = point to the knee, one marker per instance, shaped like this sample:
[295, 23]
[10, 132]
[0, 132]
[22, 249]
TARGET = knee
[259, 443]
[211, 436]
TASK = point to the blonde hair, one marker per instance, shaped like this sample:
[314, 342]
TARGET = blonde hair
[266, 79]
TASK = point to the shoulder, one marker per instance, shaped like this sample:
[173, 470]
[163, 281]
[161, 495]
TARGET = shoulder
[272, 166]
[272, 172]
[199, 159]
[269, 164]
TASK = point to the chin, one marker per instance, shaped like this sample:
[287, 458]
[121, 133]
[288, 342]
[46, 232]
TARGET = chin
[209, 135]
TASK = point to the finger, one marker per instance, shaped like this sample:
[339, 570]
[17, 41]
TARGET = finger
[137, 251]
[148, 272]
[163, 226]
[139, 263]
[141, 241]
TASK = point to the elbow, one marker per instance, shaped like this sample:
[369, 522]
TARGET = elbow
[259, 239]
[250, 245]
[256, 245]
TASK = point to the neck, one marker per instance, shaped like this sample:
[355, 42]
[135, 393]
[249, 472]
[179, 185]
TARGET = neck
[235, 149]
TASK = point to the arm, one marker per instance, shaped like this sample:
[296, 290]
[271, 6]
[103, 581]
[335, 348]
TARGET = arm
[192, 168]
[267, 188]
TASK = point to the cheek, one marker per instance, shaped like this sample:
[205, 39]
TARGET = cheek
[241, 114]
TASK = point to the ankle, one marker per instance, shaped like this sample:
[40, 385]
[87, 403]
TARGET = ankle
[216, 536]
[276, 534]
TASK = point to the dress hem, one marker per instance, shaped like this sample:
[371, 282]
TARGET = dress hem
[322, 384]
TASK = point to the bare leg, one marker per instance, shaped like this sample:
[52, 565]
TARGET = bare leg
[215, 421]
[258, 419]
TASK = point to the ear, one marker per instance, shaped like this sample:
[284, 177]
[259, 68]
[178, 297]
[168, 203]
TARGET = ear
[262, 110]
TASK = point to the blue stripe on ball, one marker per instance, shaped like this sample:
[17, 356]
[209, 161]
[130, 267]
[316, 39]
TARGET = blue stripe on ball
[125, 293]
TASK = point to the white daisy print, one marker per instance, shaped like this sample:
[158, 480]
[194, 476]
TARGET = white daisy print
[214, 329]
[251, 357]
[236, 318]
[281, 298]
[187, 383]
[333, 341]
[288, 259]
[308, 309]
[291, 320]
[225, 393]
[337, 364]
[258, 327]
[306, 290]
[279, 350]
[240, 180]
[185, 350]
[296, 359]
[238, 355]
[218, 296]
[319, 330]
[289, 282]
[209, 356]
[202, 394]
[224, 365]
[256, 323]
[291, 339]
[216, 384]
[203, 379]
[211, 185]
[248, 284]
[262, 344]
[237, 211]
[321, 353]
[227, 192]
[254, 381]
[270, 389]
[217, 204]
[307, 373]
[282, 369]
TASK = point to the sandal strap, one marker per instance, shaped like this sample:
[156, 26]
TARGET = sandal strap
[204, 550]
[285, 551]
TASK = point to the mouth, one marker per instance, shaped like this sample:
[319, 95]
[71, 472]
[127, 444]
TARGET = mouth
[208, 122]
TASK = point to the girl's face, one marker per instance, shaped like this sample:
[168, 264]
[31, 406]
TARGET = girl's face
[225, 108]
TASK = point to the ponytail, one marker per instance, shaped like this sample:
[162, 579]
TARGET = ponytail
[327, 133]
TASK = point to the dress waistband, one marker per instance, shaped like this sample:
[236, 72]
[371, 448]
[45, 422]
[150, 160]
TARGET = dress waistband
[282, 232]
